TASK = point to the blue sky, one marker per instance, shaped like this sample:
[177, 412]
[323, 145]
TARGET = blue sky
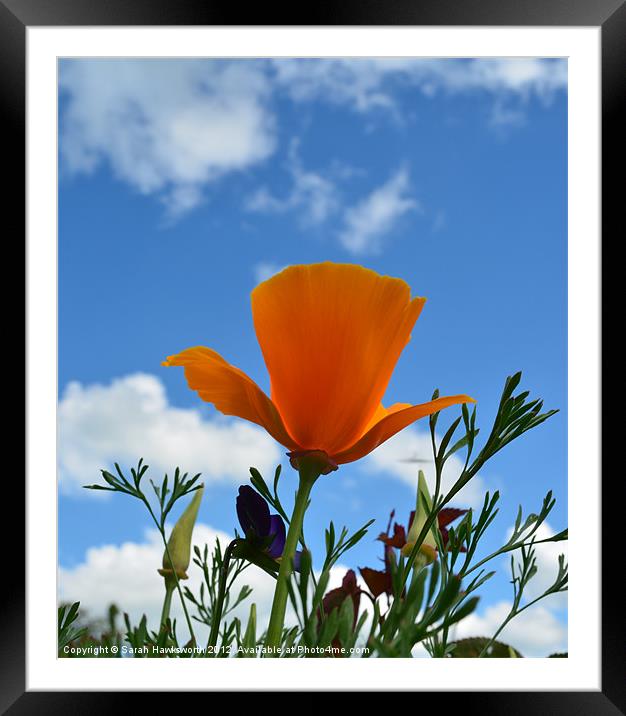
[184, 183]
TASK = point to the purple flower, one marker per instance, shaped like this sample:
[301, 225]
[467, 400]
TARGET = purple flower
[262, 531]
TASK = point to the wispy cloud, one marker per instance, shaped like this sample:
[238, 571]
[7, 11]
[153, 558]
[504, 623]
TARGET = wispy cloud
[166, 127]
[439, 222]
[132, 418]
[366, 223]
[370, 83]
[506, 116]
[312, 195]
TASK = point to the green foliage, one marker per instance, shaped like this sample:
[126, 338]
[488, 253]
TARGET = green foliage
[66, 631]
[271, 497]
[91, 639]
[216, 599]
[167, 495]
[421, 599]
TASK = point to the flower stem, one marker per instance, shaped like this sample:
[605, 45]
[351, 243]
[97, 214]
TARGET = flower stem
[170, 586]
[161, 528]
[309, 472]
[178, 587]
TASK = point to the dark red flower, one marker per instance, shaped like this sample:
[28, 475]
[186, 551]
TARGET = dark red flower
[379, 581]
[334, 599]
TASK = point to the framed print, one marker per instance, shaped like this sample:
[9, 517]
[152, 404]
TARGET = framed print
[249, 433]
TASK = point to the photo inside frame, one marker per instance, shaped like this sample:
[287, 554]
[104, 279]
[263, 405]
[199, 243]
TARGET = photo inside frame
[244, 250]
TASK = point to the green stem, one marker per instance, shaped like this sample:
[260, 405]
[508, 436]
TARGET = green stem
[170, 586]
[178, 587]
[216, 616]
[309, 472]
[161, 528]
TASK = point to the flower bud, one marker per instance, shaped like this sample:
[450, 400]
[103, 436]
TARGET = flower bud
[179, 543]
[428, 549]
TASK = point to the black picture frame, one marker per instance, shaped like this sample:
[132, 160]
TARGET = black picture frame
[17, 15]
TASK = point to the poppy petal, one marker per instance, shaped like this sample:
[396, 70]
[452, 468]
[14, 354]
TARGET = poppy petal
[392, 423]
[382, 412]
[230, 390]
[331, 335]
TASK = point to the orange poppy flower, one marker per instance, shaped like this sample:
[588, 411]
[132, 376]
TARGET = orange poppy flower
[331, 335]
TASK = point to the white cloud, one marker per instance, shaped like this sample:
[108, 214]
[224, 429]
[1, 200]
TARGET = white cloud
[126, 574]
[131, 418]
[166, 127]
[366, 223]
[368, 84]
[523, 76]
[353, 82]
[312, 195]
[315, 198]
[170, 128]
[409, 451]
[536, 632]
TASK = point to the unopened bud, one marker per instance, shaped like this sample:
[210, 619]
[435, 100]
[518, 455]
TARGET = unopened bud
[428, 549]
[179, 543]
